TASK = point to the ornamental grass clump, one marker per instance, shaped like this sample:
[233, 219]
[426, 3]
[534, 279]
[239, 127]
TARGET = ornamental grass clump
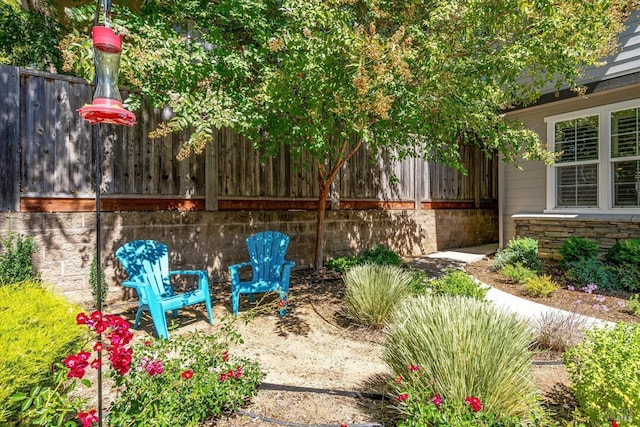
[559, 331]
[374, 291]
[464, 347]
[605, 374]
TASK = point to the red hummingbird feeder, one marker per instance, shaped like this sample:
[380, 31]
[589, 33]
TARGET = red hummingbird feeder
[107, 104]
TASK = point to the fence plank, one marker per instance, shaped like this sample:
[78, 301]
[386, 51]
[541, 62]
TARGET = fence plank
[9, 139]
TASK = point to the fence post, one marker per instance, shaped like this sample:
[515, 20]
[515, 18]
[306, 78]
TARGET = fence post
[9, 138]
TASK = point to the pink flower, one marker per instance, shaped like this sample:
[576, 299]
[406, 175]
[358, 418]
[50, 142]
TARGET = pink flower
[238, 373]
[402, 397]
[147, 343]
[413, 368]
[437, 400]
[187, 375]
[88, 418]
[96, 363]
[222, 378]
[474, 403]
[99, 346]
[399, 379]
[81, 319]
[225, 356]
[76, 364]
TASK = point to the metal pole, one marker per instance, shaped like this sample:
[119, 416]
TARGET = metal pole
[96, 139]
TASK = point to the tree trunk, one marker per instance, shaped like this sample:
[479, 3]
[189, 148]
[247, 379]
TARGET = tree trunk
[322, 201]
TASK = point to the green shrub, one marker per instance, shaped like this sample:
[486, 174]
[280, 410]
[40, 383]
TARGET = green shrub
[456, 282]
[626, 276]
[517, 272]
[603, 370]
[463, 347]
[182, 382]
[577, 248]
[523, 250]
[16, 261]
[624, 252]
[379, 255]
[540, 286]
[588, 271]
[37, 329]
[342, 264]
[373, 291]
[558, 331]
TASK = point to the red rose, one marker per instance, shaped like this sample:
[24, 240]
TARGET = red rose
[187, 375]
[474, 403]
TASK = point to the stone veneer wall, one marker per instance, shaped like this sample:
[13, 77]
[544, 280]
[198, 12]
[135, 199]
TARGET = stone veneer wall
[213, 240]
[552, 230]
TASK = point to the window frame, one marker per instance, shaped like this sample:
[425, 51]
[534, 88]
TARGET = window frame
[605, 180]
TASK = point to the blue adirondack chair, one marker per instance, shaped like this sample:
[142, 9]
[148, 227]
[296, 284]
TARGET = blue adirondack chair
[147, 264]
[271, 271]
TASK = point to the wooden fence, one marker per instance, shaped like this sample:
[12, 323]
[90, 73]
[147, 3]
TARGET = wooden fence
[47, 163]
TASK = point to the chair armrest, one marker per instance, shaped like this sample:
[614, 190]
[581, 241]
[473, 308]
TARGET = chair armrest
[203, 278]
[144, 290]
[286, 272]
[234, 271]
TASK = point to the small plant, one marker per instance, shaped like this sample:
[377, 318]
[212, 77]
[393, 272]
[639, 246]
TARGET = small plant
[540, 286]
[523, 250]
[559, 331]
[373, 291]
[624, 252]
[464, 347]
[16, 262]
[517, 272]
[603, 370]
[575, 249]
[456, 282]
[93, 280]
[634, 304]
[586, 271]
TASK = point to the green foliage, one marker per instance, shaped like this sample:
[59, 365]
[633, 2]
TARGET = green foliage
[37, 329]
[520, 250]
[634, 304]
[576, 249]
[624, 252]
[603, 370]
[373, 292]
[540, 286]
[558, 331]
[16, 261]
[624, 256]
[464, 347]
[586, 271]
[29, 39]
[379, 255]
[517, 272]
[181, 382]
[93, 280]
[457, 282]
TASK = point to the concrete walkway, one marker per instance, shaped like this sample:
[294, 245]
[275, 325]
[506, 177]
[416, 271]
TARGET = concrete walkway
[529, 309]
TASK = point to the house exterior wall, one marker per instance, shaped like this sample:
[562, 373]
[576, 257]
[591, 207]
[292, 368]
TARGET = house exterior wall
[213, 240]
[524, 191]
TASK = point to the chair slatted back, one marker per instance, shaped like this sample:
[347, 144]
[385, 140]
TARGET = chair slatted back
[267, 250]
[147, 261]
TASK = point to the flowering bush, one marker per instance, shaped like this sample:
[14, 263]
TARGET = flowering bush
[182, 382]
[55, 405]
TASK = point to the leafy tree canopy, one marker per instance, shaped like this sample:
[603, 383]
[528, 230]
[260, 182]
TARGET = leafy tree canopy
[414, 77]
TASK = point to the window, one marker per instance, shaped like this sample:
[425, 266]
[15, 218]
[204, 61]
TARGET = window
[598, 163]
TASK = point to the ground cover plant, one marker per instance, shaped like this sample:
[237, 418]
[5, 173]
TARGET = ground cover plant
[540, 286]
[457, 282]
[460, 348]
[604, 375]
[37, 329]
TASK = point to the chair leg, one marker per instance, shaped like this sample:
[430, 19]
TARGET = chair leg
[138, 315]
[159, 321]
[175, 313]
[235, 302]
[207, 303]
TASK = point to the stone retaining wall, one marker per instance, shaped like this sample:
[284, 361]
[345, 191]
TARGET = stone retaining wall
[552, 230]
[214, 240]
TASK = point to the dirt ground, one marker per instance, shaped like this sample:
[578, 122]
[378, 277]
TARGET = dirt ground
[319, 370]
